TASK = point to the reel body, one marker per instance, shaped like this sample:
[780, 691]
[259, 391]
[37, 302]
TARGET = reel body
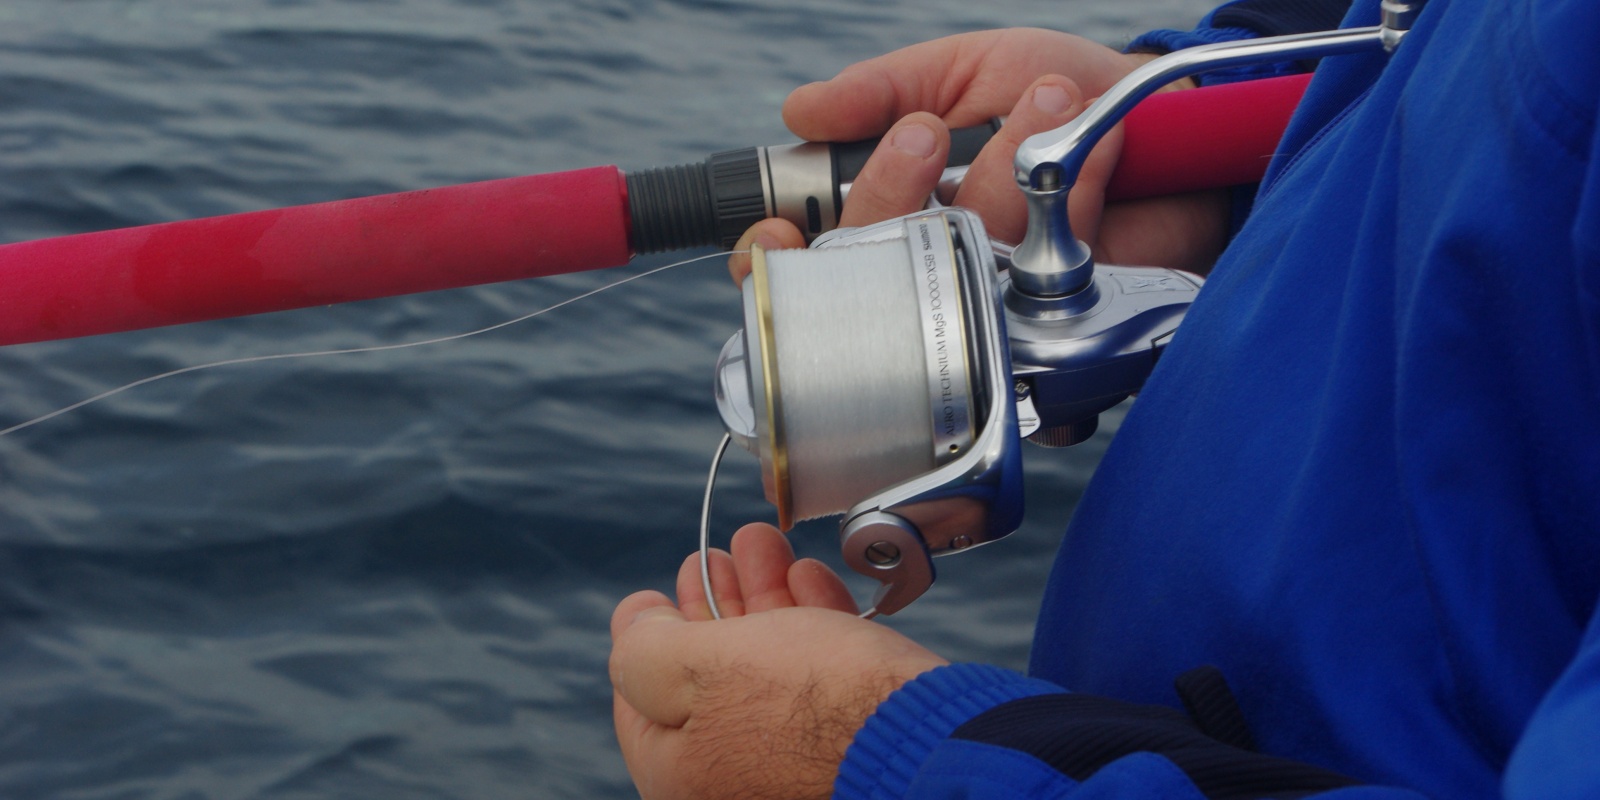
[921, 456]
[1077, 356]
[906, 417]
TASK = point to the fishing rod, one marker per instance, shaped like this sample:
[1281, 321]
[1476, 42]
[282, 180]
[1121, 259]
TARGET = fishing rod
[550, 224]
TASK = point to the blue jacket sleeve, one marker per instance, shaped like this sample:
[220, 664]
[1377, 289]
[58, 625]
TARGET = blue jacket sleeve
[977, 732]
[973, 731]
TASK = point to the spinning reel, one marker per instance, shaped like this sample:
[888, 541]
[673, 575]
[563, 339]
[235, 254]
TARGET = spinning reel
[889, 372]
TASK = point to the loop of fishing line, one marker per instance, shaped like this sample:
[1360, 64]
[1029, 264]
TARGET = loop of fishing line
[705, 534]
[345, 351]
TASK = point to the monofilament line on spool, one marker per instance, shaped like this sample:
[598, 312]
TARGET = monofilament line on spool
[870, 365]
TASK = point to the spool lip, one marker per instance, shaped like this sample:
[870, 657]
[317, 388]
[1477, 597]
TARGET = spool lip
[774, 445]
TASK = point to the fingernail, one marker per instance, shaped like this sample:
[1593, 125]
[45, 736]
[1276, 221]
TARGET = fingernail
[1051, 100]
[914, 140]
[768, 242]
[657, 613]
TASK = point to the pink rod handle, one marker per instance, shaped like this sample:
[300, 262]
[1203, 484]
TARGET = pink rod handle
[1222, 135]
[249, 263]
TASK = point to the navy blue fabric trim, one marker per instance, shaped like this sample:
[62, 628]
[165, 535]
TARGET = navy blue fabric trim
[1213, 708]
[1078, 734]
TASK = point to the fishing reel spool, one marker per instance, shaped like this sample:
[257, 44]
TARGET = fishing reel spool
[889, 372]
[872, 379]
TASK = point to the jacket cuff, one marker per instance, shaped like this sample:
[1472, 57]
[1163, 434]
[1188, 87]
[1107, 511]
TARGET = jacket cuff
[889, 749]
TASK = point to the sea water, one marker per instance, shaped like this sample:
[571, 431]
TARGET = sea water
[389, 574]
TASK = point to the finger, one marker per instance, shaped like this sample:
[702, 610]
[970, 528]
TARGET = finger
[965, 79]
[990, 187]
[1087, 201]
[632, 605]
[813, 584]
[900, 174]
[650, 665]
[771, 234]
[763, 557]
[1184, 232]
[724, 582]
[867, 98]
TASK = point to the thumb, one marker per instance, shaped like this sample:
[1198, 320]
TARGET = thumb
[650, 665]
[772, 234]
[990, 187]
[901, 172]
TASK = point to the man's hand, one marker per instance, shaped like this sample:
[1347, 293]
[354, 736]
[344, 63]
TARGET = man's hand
[763, 703]
[1040, 80]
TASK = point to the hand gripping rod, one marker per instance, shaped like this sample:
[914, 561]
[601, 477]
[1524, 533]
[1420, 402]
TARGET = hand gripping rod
[1051, 262]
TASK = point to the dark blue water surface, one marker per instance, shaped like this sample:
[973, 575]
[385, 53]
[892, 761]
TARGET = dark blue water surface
[389, 574]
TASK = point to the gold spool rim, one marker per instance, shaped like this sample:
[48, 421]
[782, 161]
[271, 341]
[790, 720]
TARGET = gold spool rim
[773, 442]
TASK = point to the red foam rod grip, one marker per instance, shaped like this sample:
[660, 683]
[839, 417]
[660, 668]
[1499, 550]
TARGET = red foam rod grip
[492, 231]
[1223, 135]
[336, 252]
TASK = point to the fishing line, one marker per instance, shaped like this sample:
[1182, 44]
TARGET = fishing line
[345, 351]
[705, 534]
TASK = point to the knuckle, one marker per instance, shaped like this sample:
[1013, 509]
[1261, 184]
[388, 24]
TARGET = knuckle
[616, 665]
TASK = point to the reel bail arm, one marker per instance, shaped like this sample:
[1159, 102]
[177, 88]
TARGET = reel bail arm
[1051, 262]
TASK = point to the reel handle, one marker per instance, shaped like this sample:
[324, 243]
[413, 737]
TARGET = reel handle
[889, 549]
[1050, 262]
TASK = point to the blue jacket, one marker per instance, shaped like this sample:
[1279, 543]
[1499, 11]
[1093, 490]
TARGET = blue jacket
[1363, 484]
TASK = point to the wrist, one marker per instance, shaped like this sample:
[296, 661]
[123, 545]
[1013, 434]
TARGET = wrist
[886, 753]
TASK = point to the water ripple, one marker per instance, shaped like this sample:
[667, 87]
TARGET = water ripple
[390, 575]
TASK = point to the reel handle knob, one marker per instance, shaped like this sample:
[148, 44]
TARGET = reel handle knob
[888, 548]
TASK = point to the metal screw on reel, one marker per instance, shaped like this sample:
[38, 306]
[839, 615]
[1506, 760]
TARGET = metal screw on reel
[889, 545]
[883, 554]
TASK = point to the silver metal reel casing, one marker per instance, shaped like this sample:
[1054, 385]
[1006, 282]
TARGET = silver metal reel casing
[900, 510]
